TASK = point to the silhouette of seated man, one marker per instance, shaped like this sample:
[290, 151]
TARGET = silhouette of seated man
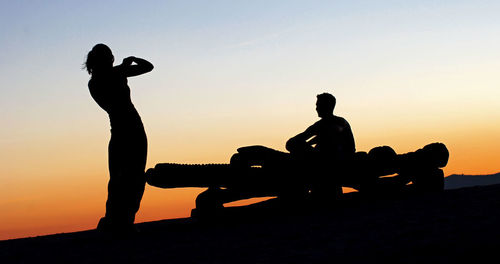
[327, 145]
[329, 140]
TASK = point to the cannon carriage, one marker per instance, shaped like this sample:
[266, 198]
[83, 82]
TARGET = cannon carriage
[257, 171]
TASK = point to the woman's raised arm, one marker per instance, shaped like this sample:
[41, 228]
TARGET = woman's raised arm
[141, 66]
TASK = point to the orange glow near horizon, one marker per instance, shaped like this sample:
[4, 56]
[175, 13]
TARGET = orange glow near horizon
[60, 199]
[67, 206]
[68, 193]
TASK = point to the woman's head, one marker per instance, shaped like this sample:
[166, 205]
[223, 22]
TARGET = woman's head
[100, 57]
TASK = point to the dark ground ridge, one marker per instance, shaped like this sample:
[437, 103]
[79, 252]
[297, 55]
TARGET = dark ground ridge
[456, 225]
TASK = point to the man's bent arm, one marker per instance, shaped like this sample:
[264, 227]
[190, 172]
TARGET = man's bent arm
[300, 140]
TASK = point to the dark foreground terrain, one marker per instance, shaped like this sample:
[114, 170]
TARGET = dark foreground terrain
[451, 227]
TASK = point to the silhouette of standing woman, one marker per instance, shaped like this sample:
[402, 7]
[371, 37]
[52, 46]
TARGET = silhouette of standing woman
[128, 144]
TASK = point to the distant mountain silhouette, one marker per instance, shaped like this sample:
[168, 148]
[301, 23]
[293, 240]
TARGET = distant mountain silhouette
[459, 180]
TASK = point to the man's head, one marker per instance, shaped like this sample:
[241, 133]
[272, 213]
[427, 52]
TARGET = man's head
[325, 104]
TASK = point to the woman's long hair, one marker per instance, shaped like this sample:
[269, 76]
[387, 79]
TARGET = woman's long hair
[99, 57]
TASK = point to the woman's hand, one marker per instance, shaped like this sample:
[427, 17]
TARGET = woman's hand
[141, 66]
[128, 61]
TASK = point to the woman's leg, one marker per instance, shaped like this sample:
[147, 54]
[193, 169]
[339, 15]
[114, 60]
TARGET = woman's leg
[127, 162]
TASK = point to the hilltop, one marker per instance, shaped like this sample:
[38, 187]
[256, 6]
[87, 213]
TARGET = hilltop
[446, 227]
[460, 180]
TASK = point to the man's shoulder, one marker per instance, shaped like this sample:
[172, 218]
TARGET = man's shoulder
[340, 120]
[336, 121]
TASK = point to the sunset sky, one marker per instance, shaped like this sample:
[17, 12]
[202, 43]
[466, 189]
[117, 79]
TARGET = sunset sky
[229, 74]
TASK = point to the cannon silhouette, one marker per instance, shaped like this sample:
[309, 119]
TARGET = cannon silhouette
[257, 171]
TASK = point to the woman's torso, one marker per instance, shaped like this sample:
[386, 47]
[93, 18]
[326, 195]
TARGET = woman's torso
[112, 94]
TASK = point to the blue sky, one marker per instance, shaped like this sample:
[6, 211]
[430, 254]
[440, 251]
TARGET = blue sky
[231, 59]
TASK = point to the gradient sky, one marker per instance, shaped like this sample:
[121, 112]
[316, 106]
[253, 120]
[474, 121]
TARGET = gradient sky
[229, 74]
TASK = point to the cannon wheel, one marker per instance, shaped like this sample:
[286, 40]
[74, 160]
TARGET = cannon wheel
[428, 181]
